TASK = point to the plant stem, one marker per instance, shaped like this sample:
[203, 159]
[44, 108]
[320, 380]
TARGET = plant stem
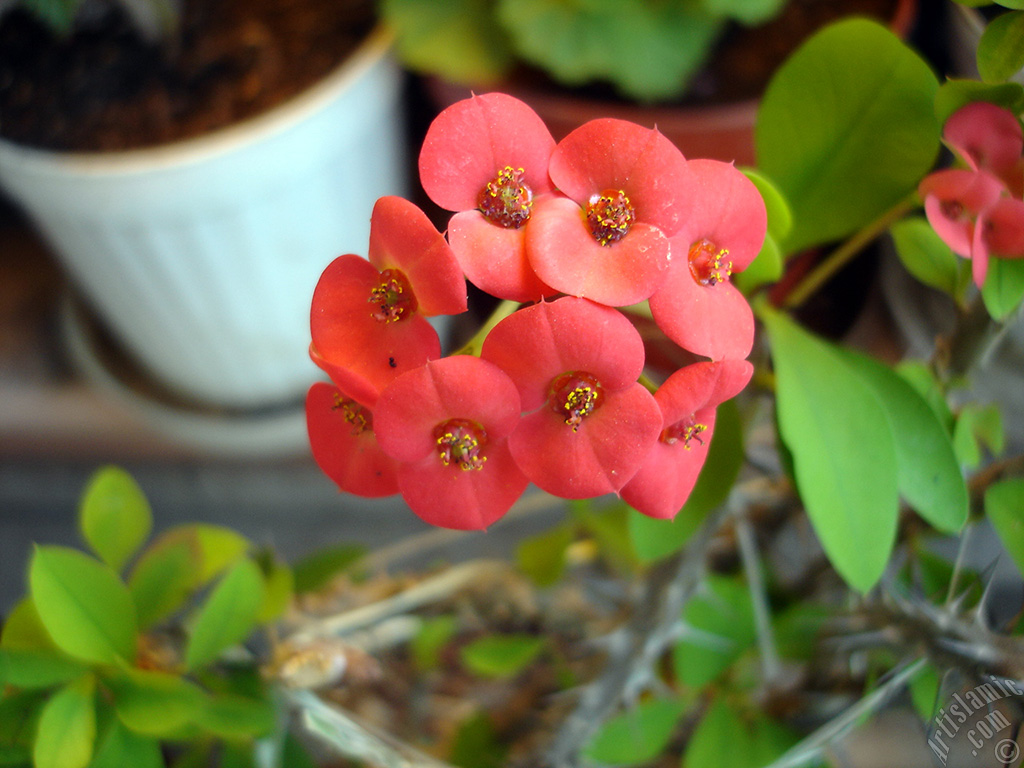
[475, 344]
[845, 252]
[770, 664]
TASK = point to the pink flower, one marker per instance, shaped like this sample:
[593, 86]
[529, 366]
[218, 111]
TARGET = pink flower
[626, 191]
[343, 444]
[687, 400]
[487, 158]
[589, 422]
[697, 306]
[447, 424]
[368, 317]
[988, 138]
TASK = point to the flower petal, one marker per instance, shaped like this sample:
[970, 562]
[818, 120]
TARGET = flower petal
[565, 255]
[343, 444]
[1003, 228]
[986, 136]
[471, 140]
[402, 237]
[701, 385]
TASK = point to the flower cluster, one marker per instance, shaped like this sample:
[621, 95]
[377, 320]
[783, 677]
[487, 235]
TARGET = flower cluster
[553, 391]
[978, 210]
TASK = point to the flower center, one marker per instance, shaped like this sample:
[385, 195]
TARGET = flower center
[952, 209]
[393, 299]
[506, 200]
[461, 442]
[575, 395]
[355, 414]
[686, 430]
[610, 215]
[708, 264]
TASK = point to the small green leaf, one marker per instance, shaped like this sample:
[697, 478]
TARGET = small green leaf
[654, 539]
[921, 377]
[120, 748]
[636, 736]
[31, 668]
[767, 267]
[228, 616]
[780, 217]
[954, 94]
[114, 516]
[278, 588]
[926, 256]
[316, 570]
[502, 655]
[162, 579]
[219, 547]
[477, 744]
[924, 692]
[24, 630]
[846, 129]
[542, 557]
[927, 470]
[725, 738]
[721, 624]
[232, 717]
[155, 703]
[83, 604]
[433, 635]
[1004, 287]
[67, 727]
[1001, 48]
[1004, 506]
[978, 425]
[19, 717]
[843, 451]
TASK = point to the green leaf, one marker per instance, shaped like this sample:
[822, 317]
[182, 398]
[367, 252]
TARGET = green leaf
[924, 692]
[31, 668]
[163, 579]
[433, 635]
[19, 717]
[843, 451]
[232, 717]
[636, 736]
[228, 616]
[780, 217]
[1001, 48]
[747, 12]
[477, 744]
[977, 425]
[954, 94]
[927, 471]
[846, 129]
[83, 604]
[24, 630]
[278, 588]
[114, 516]
[926, 256]
[654, 539]
[155, 703]
[120, 748]
[1004, 506]
[1004, 287]
[67, 727]
[218, 547]
[502, 655]
[542, 557]
[722, 628]
[317, 569]
[921, 377]
[459, 40]
[767, 267]
[797, 630]
[726, 739]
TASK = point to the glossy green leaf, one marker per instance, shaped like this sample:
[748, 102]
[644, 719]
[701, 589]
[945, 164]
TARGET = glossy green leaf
[114, 516]
[846, 129]
[926, 256]
[121, 748]
[162, 580]
[24, 630]
[228, 616]
[234, 717]
[219, 547]
[978, 426]
[67, 727]
[83, 604]
[954, 94]
[725, 738]
[843, 451]
[1001, 47]
[1004, 506]
[1004, 287]
[32, 668]
[502, 655]
[654, 539]
[721, 627]
[542, 557]
[316, 570]
[927, 471]
[636, 736]
[780, 217]
[155, 703]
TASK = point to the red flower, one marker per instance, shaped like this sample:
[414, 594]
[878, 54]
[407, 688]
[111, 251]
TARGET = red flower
[575, 364]
[697, 306]
[687, 400]
[989, 138]
[626, 190]
[487, 157]
[367, 319]
[343, 444]
[447, 424]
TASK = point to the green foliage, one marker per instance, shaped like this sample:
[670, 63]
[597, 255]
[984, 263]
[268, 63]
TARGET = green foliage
[1004, 506]
[316, 570]
[542, 557]
[502, 655]
[1004, 287]
[720, 627]
[434, 634]
[928, 258]
[955, 93]
[978, 426]
[729, 738]
[228, 615]
[155, 703]
[846, 129]
[67, 727]
[477, 744]
[114, 517]
[768, 266]
[636, 736]
[843, 450]
[1001, 48]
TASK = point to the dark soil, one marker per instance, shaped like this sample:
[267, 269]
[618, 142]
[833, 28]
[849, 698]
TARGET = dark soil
[105, 87]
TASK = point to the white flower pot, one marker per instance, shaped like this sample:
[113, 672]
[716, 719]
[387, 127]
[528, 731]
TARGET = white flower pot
[202, 255]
